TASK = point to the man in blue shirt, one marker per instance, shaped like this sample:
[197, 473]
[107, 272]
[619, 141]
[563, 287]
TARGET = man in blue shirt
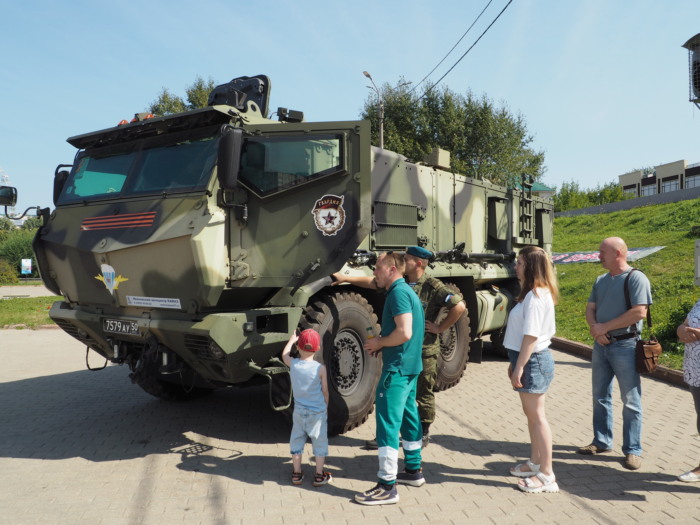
[400, 343]
[615, 327]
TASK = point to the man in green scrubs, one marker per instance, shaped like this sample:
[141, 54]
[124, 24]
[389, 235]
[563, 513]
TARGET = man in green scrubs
[400, 344]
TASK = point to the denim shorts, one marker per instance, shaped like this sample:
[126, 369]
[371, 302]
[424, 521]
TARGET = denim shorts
[538, 372]
[306, 425]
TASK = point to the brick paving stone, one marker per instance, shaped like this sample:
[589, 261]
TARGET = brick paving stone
[90, 447]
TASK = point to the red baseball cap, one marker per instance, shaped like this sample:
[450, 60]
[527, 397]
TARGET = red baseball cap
[309, 340]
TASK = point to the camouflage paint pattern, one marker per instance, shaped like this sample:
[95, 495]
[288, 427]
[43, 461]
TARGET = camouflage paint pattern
[221, 276]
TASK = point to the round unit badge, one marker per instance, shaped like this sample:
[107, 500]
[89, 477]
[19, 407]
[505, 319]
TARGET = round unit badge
[329, 215]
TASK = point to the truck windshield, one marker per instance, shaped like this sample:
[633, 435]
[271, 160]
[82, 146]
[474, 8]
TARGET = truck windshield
[142, 168]
[273, 164]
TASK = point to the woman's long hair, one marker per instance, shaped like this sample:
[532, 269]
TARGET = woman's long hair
[539, 273]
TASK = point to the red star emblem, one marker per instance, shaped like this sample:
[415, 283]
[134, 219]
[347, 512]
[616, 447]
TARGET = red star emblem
[329, 218]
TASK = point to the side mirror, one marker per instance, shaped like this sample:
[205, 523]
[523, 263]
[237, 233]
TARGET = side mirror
[229, 159]
[59, 180]
[8, 196]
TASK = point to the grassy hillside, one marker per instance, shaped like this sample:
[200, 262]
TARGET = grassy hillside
[670, 270]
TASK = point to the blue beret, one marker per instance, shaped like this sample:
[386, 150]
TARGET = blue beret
[420, 252]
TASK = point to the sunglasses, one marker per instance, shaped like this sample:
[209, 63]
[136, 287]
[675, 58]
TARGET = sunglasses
[391, 254]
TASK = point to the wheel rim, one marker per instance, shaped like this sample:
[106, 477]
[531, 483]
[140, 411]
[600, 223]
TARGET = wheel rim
[448, 344]
[347, 359]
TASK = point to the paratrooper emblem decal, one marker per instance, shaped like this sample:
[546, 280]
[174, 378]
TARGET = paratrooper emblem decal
[110, 278]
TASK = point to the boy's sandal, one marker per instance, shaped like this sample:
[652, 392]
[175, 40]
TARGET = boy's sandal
[546, 484]
[518, 471]
[322, 479]
[297, 478]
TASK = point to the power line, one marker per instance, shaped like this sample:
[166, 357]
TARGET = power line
[453, 47]
[467, 51]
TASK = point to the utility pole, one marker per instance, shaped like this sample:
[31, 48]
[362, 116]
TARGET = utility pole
[381, 108]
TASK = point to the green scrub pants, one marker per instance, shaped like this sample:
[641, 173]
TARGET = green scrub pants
[397, 413]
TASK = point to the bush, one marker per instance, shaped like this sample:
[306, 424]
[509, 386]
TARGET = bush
[570, 196]
[17, 246]
[8, 275]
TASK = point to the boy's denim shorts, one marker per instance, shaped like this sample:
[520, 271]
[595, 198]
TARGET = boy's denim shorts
[538, 372]
[309, 424]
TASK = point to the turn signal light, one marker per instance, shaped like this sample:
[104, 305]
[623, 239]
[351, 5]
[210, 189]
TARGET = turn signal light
[139, 117]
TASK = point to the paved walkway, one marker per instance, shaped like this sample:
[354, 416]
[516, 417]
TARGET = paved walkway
[82, 447]
[23, 290]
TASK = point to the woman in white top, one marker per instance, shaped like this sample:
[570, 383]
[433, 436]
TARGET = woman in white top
[528, 334]
[689, 333]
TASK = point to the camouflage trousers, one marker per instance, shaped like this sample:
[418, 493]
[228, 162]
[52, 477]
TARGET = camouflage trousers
[425, 397]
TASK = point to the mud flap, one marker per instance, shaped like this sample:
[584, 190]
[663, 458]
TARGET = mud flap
[476, 350]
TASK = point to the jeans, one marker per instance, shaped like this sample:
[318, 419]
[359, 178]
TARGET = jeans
[695, 390]
[610, 361]
[309, 424]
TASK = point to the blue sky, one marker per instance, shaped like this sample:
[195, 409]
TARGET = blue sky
[602, 84]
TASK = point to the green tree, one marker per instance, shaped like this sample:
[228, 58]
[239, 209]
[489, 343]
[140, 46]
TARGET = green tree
[197, 95]
[6, 228]
[571, 197]
[611, 192]
[485, 141]
[32, 223]
[6, 224]
[167, 104]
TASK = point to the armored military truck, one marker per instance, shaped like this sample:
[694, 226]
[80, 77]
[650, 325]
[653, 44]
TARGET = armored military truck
[189, 247]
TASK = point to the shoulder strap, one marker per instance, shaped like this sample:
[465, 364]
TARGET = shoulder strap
[627, 296]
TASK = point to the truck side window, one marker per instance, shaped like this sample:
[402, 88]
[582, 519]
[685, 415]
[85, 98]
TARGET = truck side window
[273, 164]
[98, 176]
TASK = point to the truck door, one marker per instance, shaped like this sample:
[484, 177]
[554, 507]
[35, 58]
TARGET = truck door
[305, 189]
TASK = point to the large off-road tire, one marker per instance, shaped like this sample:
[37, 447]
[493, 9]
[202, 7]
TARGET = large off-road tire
[454, 349]
[342, 320]
[177, 387]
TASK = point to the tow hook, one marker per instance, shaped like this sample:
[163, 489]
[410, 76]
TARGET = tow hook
[269, 372]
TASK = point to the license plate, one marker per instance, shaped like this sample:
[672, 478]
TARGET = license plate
[117, 326]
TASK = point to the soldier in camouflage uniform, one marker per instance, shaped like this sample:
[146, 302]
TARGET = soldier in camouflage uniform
[433, 295]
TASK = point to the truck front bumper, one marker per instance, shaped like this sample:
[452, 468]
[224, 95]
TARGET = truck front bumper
[218, 347]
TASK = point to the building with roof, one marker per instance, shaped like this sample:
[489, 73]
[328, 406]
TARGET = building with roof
[539, 190]
[665, 178]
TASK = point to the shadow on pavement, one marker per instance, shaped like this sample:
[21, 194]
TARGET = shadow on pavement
[588, 477]
[101, 416]
[259, 469]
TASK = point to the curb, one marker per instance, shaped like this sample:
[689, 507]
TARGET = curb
[662, 373]
[27, 327]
